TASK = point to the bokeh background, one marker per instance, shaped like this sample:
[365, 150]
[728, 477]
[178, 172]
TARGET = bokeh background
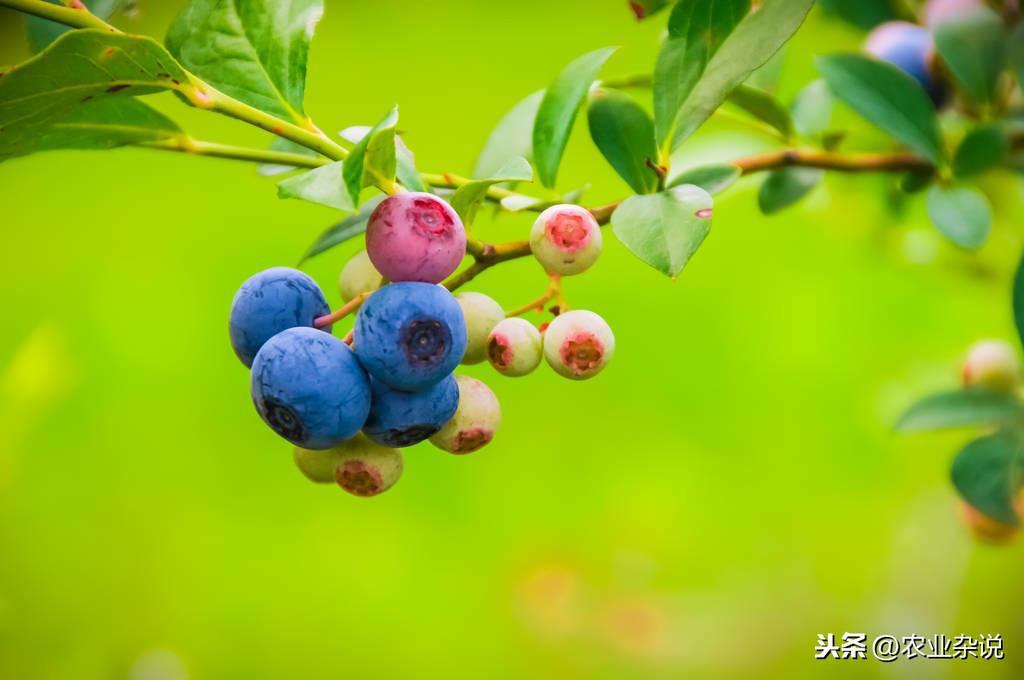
[729, 488]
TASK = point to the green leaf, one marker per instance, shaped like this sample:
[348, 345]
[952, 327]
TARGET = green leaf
[405, 161]
[785, 187]
[1018, 300]
[466, 199]
[80, 68]
[917, 180]
[713, 179]
[282, 144]
[511, 138]
[962, 214]
[42, 32]
[757, 38]
[697, 29]
[764, 107]
[624, 134]
[557, 111]
[963, 408]
[974, 49]
[982, 148]
[863, 13]
[103, 124]
[887, 97]
[374, 158]
[665, 229]
[351, 226]
[642, 9]
[323, 185]
[1015, 51]
[987, 474]
[253, 50]
[812, 109]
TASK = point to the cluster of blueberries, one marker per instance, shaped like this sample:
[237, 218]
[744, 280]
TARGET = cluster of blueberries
[910, 47]
[349, 406]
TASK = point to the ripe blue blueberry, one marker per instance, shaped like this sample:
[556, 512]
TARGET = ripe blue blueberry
[405, 418]
[410, 335]
[909, 48]
[270, 302]
[309, 387]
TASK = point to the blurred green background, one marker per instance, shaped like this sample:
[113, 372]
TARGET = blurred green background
[729, 488]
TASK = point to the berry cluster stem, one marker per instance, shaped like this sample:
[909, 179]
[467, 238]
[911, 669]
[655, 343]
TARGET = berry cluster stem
[341, 312]
[554, 291]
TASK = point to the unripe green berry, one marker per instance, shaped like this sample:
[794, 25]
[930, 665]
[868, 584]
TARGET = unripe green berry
[565, 239]
[992, 365]
[578, 344]
[482, 315]
[514, 347]
[358, 276]
[358, 466]
[474, 423]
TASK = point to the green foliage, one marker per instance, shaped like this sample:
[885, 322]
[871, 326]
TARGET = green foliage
[983, 148]
[348, 228]
[887, 97]
[467, 198]
[1018, 300]
[557, 111]
[253, 50]
[711, 178]
[42, 32]
[962, 214]
[511, 138]
[987, 474]
[282, 144]
[764, 107]
[665, 229]
[323, 186]
[962, 408]
[974, 49]
[642, 9]
[624, 134]
[373, 159]
[753, 42]
[79, 69]
[785, 187]
[863, 13]
[811, 109]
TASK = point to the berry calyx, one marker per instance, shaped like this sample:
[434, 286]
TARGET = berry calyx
[269, 302]
[578, 344]
[566, 239]
[405, 418]
[992, 365]
[415, 237]
[514, 347]
[358, 276]
[475, 421]
[482, 314]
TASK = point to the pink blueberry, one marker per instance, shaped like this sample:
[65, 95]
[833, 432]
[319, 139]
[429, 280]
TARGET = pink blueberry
[993, 365]
[474, 423]
[415, 237]
[565, 239]
[514, 347]
[578, 344]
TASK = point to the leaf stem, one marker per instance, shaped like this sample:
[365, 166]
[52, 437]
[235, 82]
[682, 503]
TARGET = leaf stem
[62, 14]
[341, 312]
[185, 144]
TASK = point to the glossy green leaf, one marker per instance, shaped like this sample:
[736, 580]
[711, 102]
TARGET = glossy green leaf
[757, 38]
[643, 9]
[812, 109]
[348, 228]
[373, 159]
[80, 68]
[512, 137]
[785, 187]
[665, 229]
[886, 97]
[253, 50]
[962, 214]
[697, 29]
[466, 199]
[974, 49]
[323, 185]
[987, 475]
[42, 32]
[282, 144]
[764, 107]
[982, 148]
[1018, 300]
[963, 408]
[624, 134]
[1015, 51]
[863, 13]
[405, 161]
[557, 111]
[917, 180]
[713, 179]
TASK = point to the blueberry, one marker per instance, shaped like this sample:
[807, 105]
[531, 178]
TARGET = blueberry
[410, 335]
[405, 418]
[482, 314]
[578, 344]
[357, 465]
[270, 302]
[309, 387]
[992, 365]
[415, 237]
[514, 347]
[909, 48]
[565, 239]
[358, 276]
[475, 421]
